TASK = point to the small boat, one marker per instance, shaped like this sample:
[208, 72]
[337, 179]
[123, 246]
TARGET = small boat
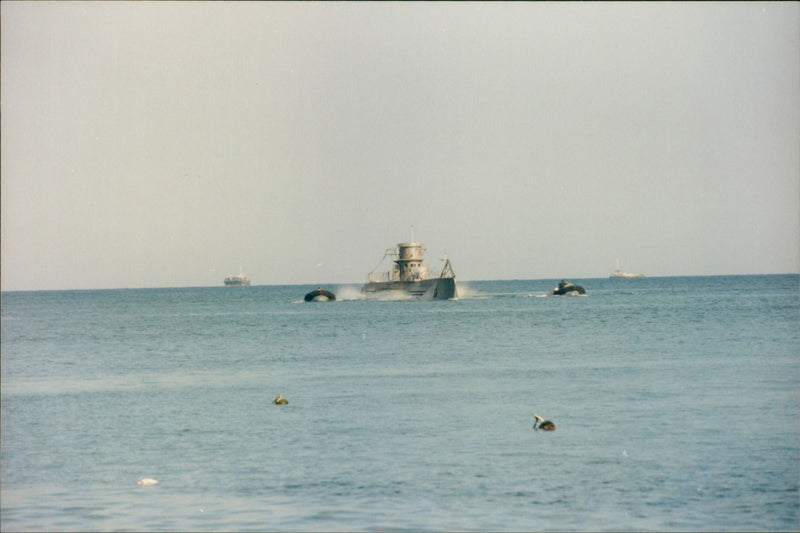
[238, 280]
[409, 277]
[619, 273]
[565, 288]
[320, 295]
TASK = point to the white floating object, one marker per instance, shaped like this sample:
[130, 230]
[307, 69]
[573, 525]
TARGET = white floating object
[147, 481]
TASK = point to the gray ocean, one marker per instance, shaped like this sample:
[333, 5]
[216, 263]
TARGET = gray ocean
[676, 401]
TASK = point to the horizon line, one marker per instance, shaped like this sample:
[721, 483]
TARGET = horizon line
[340, 284]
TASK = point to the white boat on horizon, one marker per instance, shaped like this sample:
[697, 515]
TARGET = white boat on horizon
[619, 273]
[238, 280]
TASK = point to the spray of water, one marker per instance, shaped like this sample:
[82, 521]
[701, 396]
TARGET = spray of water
[349, 292]
[466, 292]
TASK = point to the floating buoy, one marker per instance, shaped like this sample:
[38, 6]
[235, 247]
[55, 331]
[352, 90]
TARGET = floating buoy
[280, 400]
[147, 481]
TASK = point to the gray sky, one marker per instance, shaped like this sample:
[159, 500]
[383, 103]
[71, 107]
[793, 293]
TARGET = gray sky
[153, 144]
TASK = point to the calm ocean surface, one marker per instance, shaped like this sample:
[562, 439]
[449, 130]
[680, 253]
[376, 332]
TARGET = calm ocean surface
[677, 402]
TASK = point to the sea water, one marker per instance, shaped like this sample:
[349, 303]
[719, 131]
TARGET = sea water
[676, 402]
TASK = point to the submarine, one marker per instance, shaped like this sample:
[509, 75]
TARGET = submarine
[410, 277]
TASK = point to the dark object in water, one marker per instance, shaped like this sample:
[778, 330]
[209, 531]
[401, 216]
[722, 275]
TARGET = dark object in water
[280, 400]
[544, 425]
[320, 295]
[565, 288]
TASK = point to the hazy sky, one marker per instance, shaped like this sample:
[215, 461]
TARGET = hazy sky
[152, 144]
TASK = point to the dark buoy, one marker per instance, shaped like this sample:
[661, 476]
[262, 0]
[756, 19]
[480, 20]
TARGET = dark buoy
[280, 400]
[544, 425]
[320, 295]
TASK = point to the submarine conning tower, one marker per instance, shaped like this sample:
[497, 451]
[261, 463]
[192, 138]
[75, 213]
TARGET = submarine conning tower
[408, 265]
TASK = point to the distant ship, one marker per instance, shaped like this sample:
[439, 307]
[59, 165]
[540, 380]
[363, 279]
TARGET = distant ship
[619, 273]
[410, 277]
[238, 280]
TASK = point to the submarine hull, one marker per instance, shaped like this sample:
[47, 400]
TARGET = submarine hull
[426, 289]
